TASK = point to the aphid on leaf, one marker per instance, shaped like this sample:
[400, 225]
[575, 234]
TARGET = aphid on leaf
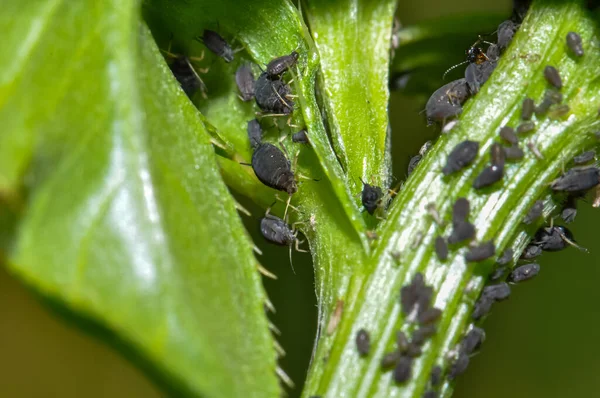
[569, 210]
[436, 375]
[460, 210]
[555, 238]
[507, 257]
[273, 169]
[186, 74]
[244, 79]
[531, 251]
[551, 97]
[506, 31]
[574, 43]
[413, 350]
[527, 109]
[482, 307]
[526, 127]
[273, 95]
[535, 212]
[446, 102]
[481, 252]
[508, 134]
[300, 137]
[514, 153]
[403, 369]
[585, 157]
[461, 156]
[371, 197]
[217, 44]
[255, 133]
[577, 179]
[497, 292]
[441, 248]
[421, 335]
[461, 231]
[279, 65]
[472, 341]
[459, 366]
[524, 272]
[277, 231]
[390, 359]
[552, 76]
[363, 342]
[431, 315]
[488, 176]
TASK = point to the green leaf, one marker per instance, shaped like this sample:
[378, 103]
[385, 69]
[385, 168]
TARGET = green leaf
[128, 221]
[353, 39]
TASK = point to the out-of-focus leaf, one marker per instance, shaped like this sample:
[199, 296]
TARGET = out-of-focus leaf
[128, 221]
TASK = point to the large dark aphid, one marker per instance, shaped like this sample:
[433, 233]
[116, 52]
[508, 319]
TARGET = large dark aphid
[403, 369]
[552, 239]
[272, 168]
[413, 350]
[551, 97]
[390, 359]
[186, 75]
[277, 231]
[531, 251]
[280, 64]
[431, 315]
[498, 292]
[577, 179]
[497, 155]
[363, 342]
[527, 109]
[506, 31]
[446, 102]
[415, 295]
[508, 134]
[254, 133]
[585, 157]
[481, 252]
[413, 163]
[461, 156]
[526, 127]
[498, 273]
[460, 210]
[300, 137]
[514, 153]
[574, 43]
[244, 79]
[441, 248]
[371, 197]
[482, 307]
[488, 176]
[272, 95]
[401, 341]
[524, 272]
[535, 212]
[506, 257]
[461, 231]
[215, 43]
[459, 366]
[569, 210]
[477, 74]
[472, 341]
[552, 76]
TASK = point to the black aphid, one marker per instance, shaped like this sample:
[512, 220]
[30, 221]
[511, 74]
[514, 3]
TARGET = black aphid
[431, 394]
[371, 197]
[421, 335]
[506, 31]
[401, 341]
[472, 341]
[280, 64]
[552, 239]
[244, 79]
[403, 369]
[506, 257]
[477, 74]
[446, 102]
[436, 375]
[215, 43]
[441, 248]
[535, 212]
[300, 137]
[272, 95]
[412, 164]
[577, 179]
[413, 350]
[508, 134]
[482, 307]
[497, 155]
[524, 272]
[488, 176]
[552, 76]
[514, 152]
[526, 127]
[461, 156]
[277, 231]
[272, 168]
[574, 43]
[363, 342]
[460, 210]
[585, 157]
[186, 75]
[390, 359]
[527, 109]
[431, 315]
[254, 133]
[531, 251]
[415, 294]
[459, 366]
[498, 292]
[569, 211]
[551, 97]
[481, 252]
[461, 231]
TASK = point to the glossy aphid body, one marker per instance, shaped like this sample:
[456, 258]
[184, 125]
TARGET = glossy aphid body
[495, 171]
[277, 231]
[461, 156]
[535, 212]
[446, 102]
[186, 75]
[363, 342]
[255, 133]
[371, 197]
[527, 109]
[508, 134]
[279, 65]
[273, 95]
[574, 43]
[273, 169]
[441, 248]
[553, 77]
[577, 179]
[217, 44]
[524, 272]
[481, 252]
[300, 137]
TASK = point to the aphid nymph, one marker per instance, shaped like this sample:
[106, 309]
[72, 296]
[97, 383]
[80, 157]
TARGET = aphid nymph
[244, 79]
[217, 44]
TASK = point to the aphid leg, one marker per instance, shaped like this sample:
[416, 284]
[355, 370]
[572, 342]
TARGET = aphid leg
[287, 204]
[242, 209]
[198, 59]
[266, 272]
[291, 263]
[287, 201]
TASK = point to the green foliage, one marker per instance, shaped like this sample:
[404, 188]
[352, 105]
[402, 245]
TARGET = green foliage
[121, 209]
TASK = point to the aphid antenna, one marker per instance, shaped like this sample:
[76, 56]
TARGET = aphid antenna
[291, 263]
[572, 243]
[451, 68]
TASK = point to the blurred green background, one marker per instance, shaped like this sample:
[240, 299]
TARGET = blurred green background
[540, 343]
